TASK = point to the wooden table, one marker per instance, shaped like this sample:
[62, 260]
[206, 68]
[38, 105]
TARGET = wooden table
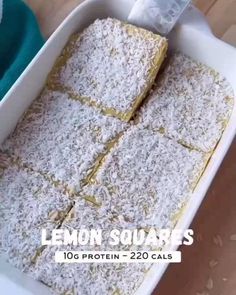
[221, 15]
[209, 266]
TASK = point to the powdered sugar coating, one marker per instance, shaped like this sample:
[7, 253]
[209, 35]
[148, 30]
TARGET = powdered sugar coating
[89, 278]
[62, 137]
[26, 202]
[149, 177]
[191, 104]
[112, 63]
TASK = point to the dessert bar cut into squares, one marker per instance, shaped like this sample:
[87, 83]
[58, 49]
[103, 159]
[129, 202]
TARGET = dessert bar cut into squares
[110, 65]
[148, 177]
[62, 138]
[28, 203]
[82, 278]
[85, 215]
[191, 104]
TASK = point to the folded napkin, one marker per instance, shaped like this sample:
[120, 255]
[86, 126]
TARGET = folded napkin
[20, 40]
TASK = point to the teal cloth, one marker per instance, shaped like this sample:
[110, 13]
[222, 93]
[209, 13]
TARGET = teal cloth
[20, 40]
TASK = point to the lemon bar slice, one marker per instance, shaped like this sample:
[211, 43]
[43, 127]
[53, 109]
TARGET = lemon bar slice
[62, 138]
[148, 177]
[105, 278]
[110, 65]
[28, 203]
[191, 104]
[82, 278]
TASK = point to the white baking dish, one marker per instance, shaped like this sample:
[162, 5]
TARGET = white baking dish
[199, 44]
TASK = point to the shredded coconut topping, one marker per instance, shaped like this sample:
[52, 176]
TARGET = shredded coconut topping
[62, 137]
[101, 278]
[144, 179]
[191, 103]
[148, 177]
[26, 203]
[77, 279]
[111, 63]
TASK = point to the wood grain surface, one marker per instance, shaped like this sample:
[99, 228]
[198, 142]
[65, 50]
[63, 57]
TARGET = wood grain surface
[213, 254]
[209, 266]
[221, 14]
